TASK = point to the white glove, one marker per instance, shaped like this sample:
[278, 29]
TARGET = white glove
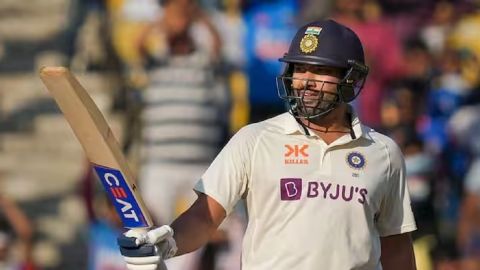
[144, 250]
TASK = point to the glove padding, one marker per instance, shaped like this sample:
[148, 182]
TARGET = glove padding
[146, 250]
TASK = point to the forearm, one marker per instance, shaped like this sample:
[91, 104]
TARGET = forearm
[193, 228]
[17, 219]
[191, 231]
[397, 253]
[399, 262]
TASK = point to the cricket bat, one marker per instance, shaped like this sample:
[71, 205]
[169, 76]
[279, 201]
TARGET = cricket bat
[99, 144]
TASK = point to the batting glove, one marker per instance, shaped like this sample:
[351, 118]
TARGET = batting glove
[147, 250]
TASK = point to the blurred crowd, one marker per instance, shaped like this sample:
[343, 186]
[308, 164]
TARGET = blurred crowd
[192, 72]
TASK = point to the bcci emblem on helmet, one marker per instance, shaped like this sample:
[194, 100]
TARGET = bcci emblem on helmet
[309, 43]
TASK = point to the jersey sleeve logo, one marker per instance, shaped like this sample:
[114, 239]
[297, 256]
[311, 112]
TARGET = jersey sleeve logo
[356, 160]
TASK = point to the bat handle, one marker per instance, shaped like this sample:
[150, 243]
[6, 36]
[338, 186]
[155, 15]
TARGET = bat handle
[139, 236]
[129, 245]
[134, 237]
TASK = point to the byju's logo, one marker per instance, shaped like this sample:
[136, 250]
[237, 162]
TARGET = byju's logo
[290, 189]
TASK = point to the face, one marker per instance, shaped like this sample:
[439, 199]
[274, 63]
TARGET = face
[349, 6]
[316, 86]
[178, 16]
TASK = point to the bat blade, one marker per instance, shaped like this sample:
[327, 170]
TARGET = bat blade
[99, 144]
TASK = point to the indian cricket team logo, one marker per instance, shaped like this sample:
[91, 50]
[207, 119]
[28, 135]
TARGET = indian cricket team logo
[290, 189]
[309, 43]
[356, 160]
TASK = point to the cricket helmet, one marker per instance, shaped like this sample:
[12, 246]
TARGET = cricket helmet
[323, 43]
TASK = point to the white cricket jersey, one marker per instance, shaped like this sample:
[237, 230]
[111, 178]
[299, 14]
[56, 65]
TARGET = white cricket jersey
[312, 205]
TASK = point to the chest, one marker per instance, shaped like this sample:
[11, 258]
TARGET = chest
[308, 171]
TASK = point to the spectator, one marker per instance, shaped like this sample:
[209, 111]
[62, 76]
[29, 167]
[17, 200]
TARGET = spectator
[437, 30]
[233, 32]
[383, 50]
[185, 110]
[469, 222]
[270, 27]
[15, 231]
[420, 178]
[465, 128]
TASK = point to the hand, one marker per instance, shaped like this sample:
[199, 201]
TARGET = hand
[147, 250]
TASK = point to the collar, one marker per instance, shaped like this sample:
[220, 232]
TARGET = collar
[292, 126]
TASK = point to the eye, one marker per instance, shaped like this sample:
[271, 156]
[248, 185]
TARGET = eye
[297, 84]
[300, 69]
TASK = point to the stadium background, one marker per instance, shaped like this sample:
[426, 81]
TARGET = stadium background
[424, 93]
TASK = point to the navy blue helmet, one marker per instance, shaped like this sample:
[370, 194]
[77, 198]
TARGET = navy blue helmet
[323, 43]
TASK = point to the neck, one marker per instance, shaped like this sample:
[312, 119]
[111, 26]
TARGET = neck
[335, 122]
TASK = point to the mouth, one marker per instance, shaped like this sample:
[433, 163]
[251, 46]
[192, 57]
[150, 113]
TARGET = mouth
[308, 93]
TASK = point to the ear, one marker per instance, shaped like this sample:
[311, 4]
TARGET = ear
[346, 92]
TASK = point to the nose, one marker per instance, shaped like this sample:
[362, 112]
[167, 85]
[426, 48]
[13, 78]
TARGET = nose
[301, 83]
[309, 81]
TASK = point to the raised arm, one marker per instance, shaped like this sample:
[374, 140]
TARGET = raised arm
[194, 227]
[188, 232]
[223, 184]
[21, 225]
[16, 218]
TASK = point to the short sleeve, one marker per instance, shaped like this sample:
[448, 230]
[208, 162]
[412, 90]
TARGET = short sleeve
[395, 216]
[226, 179]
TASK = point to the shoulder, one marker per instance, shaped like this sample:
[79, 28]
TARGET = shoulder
[250, 131]
[249, 135]
[275, 124]
[383, 140]
[245, 139]
[388, 146]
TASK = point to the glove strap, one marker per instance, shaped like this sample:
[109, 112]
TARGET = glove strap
[172, 248]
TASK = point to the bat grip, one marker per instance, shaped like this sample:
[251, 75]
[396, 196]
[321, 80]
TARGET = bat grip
[136, 244]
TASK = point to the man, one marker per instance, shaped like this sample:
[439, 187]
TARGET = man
[184, 115]
[322, 190]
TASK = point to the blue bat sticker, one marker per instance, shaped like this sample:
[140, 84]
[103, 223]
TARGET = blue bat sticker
[122, 197]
